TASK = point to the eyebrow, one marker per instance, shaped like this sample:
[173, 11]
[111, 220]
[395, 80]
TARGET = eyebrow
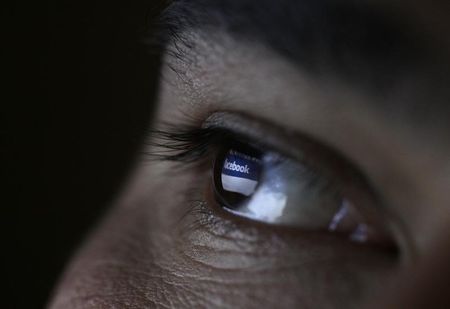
[354, 41]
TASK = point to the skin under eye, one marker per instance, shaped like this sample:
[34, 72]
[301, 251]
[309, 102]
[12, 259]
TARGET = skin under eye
[265, 186]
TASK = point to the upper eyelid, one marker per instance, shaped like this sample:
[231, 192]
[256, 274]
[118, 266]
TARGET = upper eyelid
[263, 133]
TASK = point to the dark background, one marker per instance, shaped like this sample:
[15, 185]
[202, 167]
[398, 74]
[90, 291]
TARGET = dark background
[77, 98]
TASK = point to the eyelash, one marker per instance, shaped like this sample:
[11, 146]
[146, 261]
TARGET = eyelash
[184, 144]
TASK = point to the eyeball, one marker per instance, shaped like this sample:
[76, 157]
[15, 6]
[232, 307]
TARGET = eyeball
[267, 187]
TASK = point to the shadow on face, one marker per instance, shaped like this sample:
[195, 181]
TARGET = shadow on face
[299, 158]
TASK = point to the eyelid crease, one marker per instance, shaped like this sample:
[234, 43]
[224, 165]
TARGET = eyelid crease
[246, 127]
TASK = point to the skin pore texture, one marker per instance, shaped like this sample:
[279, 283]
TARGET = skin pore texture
[163, 245]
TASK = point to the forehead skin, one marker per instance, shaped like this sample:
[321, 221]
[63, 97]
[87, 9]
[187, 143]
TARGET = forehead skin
[139, 258]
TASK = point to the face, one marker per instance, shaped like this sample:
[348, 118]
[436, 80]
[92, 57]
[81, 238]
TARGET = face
[313, 178]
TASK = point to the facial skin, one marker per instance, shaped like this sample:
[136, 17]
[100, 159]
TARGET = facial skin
[156, 250]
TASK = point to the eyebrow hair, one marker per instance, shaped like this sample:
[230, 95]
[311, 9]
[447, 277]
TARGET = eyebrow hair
[352, 40]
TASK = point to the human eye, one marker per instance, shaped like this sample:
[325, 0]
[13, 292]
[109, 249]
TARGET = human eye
[266, 177]
[267, 187]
